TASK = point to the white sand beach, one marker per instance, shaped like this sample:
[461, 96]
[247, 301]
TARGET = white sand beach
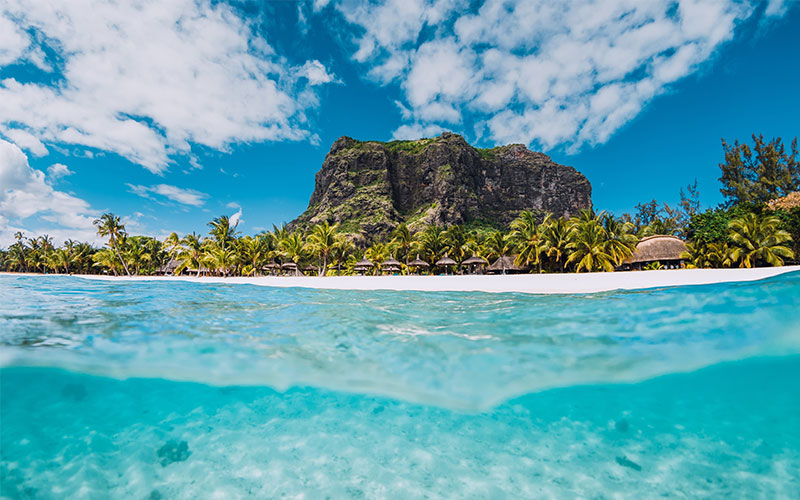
[523, 283]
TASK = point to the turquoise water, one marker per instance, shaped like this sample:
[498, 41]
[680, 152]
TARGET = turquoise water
[152, 390]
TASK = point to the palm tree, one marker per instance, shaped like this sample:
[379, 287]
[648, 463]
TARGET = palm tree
[45, 245]
[83, 256]
[431, 243]
[172, 244]
[525, 233]
[134, 251]
[342, 251]
[620, 240]
[63, 258]
[216, 257]
[402, 240]
[190, 254]
[702, 255]
[293, 248]
[106, 258]
[554, 234]
[758, 240]
[378, 253]
[109, 225]
[17, 254]
[455, 240]
[321, 241]
[498, 245]
[254, 251]
[588, 246]
[222, 231]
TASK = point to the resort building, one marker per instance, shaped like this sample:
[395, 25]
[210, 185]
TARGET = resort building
[661, 249]
[505, 265]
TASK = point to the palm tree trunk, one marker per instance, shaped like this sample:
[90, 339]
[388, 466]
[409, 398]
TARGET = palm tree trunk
[114, 244]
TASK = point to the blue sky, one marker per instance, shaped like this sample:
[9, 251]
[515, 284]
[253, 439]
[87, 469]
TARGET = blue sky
[170, 113]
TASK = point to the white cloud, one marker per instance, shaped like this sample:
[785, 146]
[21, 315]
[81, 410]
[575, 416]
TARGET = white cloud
[554, 73]
[13, 41]
[27, 198]
[416, 131]
[315, 73]
[148, 79]
[26, 140]
[174, 193]
[236, 218]
[58, 170]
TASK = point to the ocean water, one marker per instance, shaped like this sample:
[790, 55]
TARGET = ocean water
[152, 390]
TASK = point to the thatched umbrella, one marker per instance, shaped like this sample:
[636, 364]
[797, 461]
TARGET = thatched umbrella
[311, 269]
[446, 262]
[418, 264]
[271, 268]
[504, 265]
[363, 266]
[662, 248]
[475, 263]
[391, 265]
[290, 266]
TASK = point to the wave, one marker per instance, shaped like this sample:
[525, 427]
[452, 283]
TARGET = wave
[467, 351]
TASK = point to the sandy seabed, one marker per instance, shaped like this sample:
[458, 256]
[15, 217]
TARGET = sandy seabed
[522, 283]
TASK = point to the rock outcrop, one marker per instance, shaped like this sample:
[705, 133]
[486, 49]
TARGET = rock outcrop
[370, 187]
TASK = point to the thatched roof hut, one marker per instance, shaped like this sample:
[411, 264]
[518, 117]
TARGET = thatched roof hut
[446, 261]
[418, 263]
[475, 261]
[169, 267]
[504, 265]
[365, 263]
[475, 264]
[391, 265]
[363, 266]
[289, 266]
[662, 248]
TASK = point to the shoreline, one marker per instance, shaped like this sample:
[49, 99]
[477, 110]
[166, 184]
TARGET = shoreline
[569, 283]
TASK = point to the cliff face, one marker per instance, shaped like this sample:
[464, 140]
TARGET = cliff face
[370, 187]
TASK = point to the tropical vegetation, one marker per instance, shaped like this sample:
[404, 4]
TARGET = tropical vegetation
[749, 229]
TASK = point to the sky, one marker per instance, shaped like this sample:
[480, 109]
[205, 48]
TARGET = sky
[169, 113]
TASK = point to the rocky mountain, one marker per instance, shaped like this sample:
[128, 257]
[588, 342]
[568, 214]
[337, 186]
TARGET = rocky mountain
[369, 187]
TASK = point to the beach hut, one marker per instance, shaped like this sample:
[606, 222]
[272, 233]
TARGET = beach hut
[418, 264]
[446, 263]
[311, 269]
[504, 265]
[272, 268]
[363, 266]
[391, 266]
[475, 264]
[193, 272]
[664, 249]
[290, 268]
[169, 268]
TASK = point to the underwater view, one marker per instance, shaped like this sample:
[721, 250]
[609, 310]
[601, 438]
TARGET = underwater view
[171, 390]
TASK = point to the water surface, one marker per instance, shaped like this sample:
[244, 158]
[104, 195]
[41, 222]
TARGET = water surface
[186, 390]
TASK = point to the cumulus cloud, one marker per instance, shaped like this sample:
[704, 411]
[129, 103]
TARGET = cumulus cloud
[416, 131]
[315, 73]
[236, 218]
[534, 71]
[148, 79]
[27, 199]
[58, 170]
[174, 193]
